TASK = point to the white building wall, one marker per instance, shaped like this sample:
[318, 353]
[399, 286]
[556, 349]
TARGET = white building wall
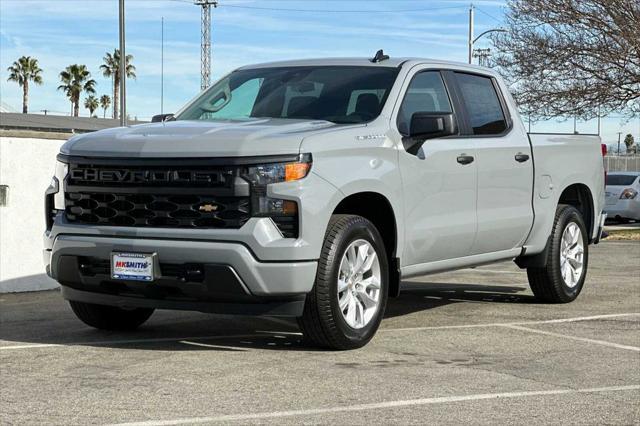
[26, 166]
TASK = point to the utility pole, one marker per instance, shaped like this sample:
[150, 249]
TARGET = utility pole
[619, 133]
[123, 75]
[205, 43]
[162, 66]
[470, 33]
[483, 56]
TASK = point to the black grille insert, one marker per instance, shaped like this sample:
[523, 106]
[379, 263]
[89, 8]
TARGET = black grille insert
[183, 211]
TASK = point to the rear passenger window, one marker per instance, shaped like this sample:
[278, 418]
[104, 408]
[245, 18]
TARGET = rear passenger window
[482, 104]
[426, 93]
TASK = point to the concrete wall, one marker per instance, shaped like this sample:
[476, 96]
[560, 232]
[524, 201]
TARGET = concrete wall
[26, 166]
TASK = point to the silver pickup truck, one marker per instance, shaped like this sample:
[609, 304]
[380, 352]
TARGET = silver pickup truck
[310, 189]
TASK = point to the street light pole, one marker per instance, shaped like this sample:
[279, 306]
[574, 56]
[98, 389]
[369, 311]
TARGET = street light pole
[484, 54]
[470, 33]
[122, 71]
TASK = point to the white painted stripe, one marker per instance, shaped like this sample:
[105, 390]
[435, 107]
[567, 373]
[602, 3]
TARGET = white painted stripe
[383, 330]
[128, 341]
[593, 317]
[206, 345]
[502, 324]
[378, 405]
[580, 339]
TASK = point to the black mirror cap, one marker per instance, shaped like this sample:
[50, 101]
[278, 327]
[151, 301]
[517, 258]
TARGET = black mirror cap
[159, 118]
[429, 125]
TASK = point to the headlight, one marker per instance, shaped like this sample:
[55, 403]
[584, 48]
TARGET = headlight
[283, 212]
[59, 175]
[265, 174]
[54, 194]
[628, 194]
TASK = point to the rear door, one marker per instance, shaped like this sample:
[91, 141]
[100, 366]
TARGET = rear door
[439, 187]
[504, 162]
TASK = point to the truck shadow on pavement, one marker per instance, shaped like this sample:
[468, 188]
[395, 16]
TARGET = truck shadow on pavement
[420, 296]
[43, 318]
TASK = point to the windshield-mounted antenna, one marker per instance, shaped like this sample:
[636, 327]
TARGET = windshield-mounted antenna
[380, 56]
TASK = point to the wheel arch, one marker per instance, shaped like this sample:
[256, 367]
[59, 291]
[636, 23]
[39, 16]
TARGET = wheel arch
[579, 196]
[377, 208]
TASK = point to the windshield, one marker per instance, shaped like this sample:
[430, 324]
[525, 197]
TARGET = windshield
[340, 94]
[620, 180]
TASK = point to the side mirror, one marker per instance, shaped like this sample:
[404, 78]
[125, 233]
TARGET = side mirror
[428, 125]
[161, 117]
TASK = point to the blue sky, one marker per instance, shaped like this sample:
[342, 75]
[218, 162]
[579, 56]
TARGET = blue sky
[63, 32]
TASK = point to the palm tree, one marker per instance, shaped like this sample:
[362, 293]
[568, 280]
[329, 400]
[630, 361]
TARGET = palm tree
[22, 71]
[91, 103]
[105, 101]
[111, 68]
[75, 80]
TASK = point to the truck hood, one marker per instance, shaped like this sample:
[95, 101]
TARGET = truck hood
[197, 139]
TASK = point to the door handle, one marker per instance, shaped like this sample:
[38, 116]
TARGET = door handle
[521, 158]
[465, 159]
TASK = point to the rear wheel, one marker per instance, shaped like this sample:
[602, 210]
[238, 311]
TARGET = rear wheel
[346, 305]
[562, 279]
[110, 317]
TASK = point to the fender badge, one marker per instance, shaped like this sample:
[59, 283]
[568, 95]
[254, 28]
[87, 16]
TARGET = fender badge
[369, 137]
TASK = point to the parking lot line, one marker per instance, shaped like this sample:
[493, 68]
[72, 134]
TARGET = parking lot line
[127, 341]
[580, 339]
[502, 324]
[379, 405]
[207, 345]
[384, 330]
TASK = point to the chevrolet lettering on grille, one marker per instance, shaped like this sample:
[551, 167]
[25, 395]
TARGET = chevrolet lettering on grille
[142, 176]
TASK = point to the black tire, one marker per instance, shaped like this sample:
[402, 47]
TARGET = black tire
[547, 282]
[110, 317]
[322, 322]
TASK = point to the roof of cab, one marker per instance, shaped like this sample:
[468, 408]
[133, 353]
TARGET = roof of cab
[391, 62]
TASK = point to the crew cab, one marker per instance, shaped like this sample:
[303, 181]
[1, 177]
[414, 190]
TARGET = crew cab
[311, 189]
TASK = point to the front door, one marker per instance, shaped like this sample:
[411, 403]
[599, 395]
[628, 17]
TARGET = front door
[439, 183]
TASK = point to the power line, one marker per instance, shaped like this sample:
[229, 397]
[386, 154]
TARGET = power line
[287, 9]
[488, 14]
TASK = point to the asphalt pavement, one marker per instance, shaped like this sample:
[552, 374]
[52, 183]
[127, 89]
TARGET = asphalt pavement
[470, 346]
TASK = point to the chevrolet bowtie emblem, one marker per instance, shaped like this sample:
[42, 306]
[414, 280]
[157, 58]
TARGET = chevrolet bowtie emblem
[208, 208]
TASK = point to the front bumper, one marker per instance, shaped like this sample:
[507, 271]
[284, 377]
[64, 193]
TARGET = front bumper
[233, 279]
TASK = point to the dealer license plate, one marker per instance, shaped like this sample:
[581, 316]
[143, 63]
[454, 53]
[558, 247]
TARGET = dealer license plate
[132, 266]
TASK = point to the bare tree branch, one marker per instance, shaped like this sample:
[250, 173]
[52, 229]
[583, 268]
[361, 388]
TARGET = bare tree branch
[572, 57]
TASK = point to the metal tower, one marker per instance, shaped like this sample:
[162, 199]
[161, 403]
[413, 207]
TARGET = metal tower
[205, 43]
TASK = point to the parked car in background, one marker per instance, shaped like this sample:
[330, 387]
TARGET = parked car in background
[622, 200]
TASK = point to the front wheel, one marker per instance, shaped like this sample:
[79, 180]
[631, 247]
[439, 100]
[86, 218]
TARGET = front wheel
[346, 305]
[110, 317]
[562, 279]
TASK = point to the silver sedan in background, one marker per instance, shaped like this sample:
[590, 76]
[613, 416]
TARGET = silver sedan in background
[622, 199]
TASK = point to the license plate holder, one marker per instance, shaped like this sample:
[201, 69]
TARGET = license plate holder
[133, 266]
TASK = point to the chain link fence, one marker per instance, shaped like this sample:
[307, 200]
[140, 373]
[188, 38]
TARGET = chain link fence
[626, 163]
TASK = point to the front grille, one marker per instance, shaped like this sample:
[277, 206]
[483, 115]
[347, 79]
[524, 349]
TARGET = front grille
[179, 193]
[179, 211]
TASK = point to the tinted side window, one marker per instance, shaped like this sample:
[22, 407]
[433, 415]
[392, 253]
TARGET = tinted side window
[482, 104]
[426, 93]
